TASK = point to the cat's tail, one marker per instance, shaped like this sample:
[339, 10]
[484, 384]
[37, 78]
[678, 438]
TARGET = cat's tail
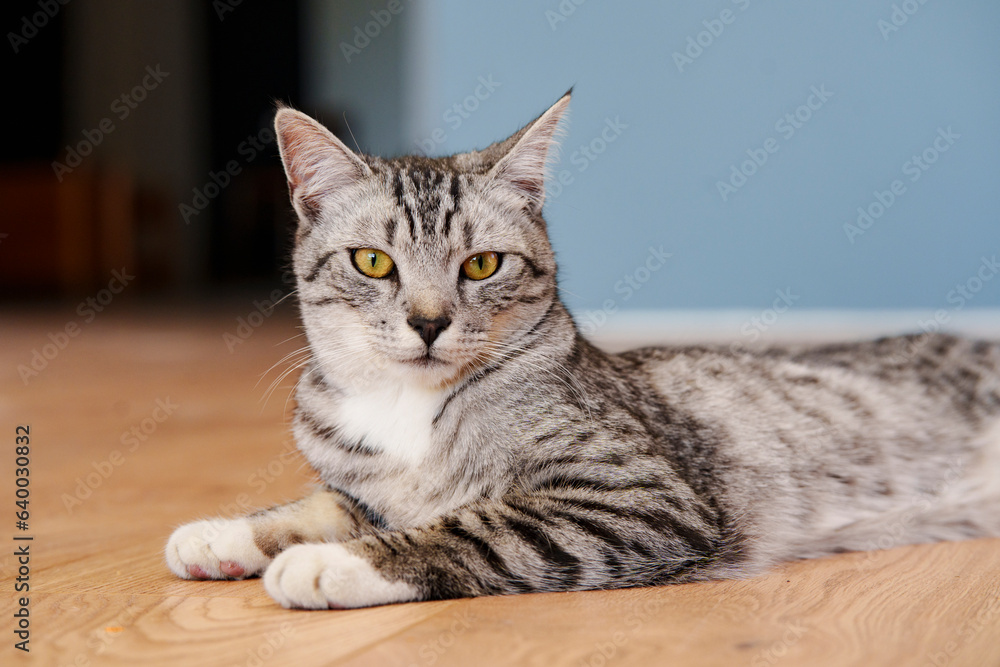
[965, 505]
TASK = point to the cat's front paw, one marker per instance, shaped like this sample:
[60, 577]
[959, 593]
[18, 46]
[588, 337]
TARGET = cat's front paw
[216, 549]
[328, 576]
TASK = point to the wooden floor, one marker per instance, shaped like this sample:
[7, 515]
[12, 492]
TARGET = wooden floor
[103, 502]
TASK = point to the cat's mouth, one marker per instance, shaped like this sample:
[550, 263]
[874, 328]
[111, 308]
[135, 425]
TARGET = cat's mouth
[439, 372]
[427, 360]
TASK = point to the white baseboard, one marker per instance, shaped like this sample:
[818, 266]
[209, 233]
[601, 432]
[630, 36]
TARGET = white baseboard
[633, 328]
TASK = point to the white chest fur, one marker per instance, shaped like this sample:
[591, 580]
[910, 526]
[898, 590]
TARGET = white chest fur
[396, 419]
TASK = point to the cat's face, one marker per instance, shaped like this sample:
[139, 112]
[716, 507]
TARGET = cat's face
[414, 269]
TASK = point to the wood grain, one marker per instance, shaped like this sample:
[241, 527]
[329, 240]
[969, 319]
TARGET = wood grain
[102, 595]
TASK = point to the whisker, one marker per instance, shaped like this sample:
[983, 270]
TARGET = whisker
[292, 291]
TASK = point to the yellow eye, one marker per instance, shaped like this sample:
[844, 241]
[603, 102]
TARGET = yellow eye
[481, 266]
[373, 263]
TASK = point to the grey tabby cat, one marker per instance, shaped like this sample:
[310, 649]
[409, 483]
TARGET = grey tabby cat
[471, 442]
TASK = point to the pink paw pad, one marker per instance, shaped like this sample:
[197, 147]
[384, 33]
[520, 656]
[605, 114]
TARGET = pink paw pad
[198, 573]
[231, 569]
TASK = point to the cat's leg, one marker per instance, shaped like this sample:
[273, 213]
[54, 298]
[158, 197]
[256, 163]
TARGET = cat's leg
[243, 547]
[527, 544]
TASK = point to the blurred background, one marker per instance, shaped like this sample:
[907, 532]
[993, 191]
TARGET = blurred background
[732, 155]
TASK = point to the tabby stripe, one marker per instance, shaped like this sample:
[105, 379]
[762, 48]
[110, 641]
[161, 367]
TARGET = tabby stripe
[545, 316]
[467, 234]
[310, 209]
[530, 299]
[569, 565]
[540, 517]
[329, 434]
[318, 266]
[777, 386]
[431, 182]
[710, 519]
[322, 302]
[318, 379]
[564, 481]
[488, 554]
[548, 436]
[454, 205]
[640, 549]
[390, 232]
[370, 515]
[401, 201]
[591, 505]
[610, 537]
[535, 271]
[661, 522]
[397, 188]
[358, 447]
[591, 527]
[320, 430]
[384, 542]
[479, 375]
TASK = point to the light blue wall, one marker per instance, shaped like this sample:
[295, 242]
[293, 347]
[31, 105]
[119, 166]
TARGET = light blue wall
[656, 183]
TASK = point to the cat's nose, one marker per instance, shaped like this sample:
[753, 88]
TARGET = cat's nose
[429, 330]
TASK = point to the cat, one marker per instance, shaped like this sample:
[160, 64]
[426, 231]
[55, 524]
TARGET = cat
[471, 442]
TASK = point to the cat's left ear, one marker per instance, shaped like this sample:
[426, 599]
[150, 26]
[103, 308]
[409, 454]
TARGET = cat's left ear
[523, 167]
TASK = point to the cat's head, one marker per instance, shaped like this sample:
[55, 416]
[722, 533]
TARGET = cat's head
[417, 268]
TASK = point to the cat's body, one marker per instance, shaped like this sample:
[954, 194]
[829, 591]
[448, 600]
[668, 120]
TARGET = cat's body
[470, 442]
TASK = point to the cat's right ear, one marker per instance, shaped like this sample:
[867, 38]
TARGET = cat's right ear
[318, 165]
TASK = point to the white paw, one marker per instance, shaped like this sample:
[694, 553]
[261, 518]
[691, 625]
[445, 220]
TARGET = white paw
[216, 549]
[328, 576]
